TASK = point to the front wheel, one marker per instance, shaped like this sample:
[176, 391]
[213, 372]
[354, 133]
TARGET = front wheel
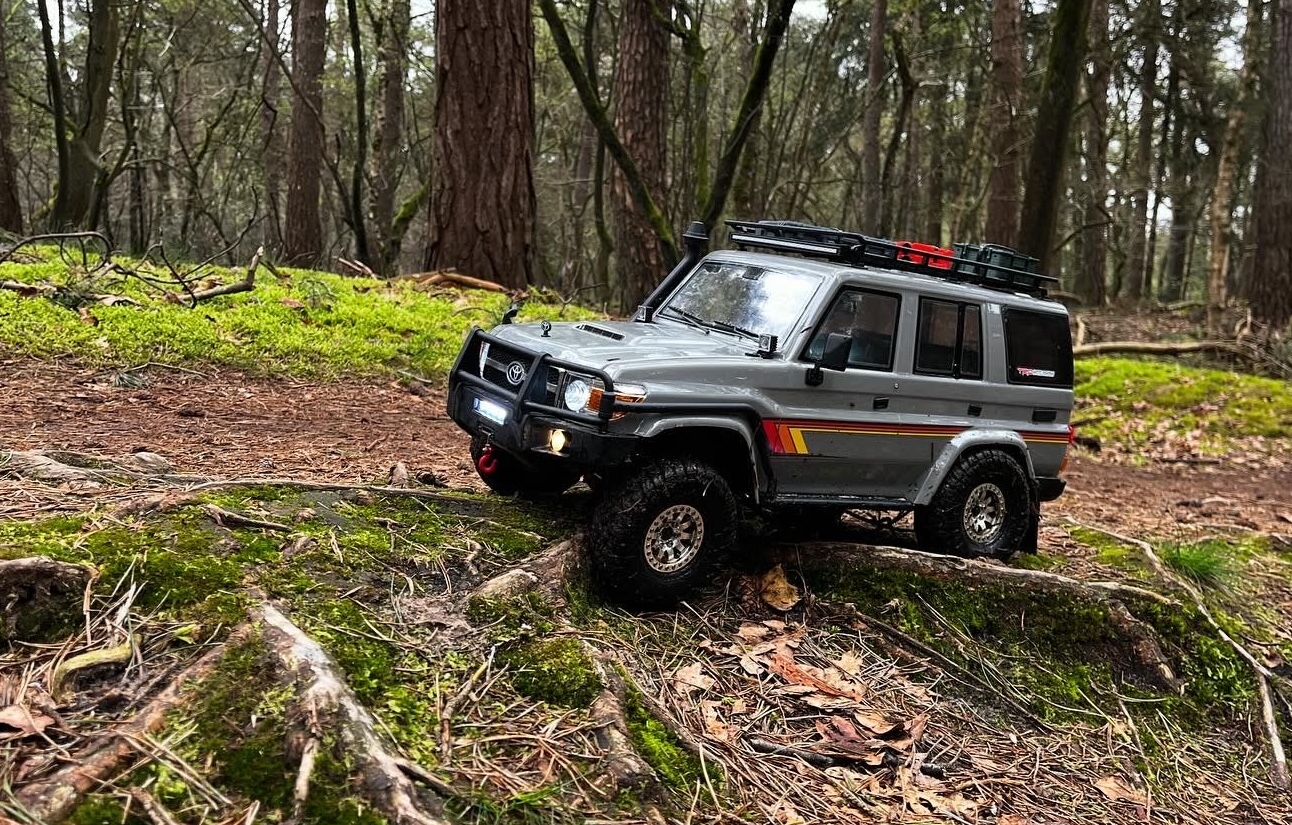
[983, 508]
[654, 536]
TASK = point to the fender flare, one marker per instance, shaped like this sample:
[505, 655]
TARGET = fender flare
[923, 490]
[739, 425]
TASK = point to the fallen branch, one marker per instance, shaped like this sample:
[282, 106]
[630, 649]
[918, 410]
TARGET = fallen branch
[247, 283]
[52, 799]
[60, 466]
[321, 689]
[1279, 760]
[452, 278]
[623, 765]
[1160, 348]
[225, 518]
[974, 571]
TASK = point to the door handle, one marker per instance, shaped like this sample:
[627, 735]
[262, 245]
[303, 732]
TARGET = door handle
[880, 404]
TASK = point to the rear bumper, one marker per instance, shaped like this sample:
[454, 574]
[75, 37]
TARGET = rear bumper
[1048, 489]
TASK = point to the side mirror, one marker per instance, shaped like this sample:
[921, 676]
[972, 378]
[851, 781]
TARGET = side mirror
[834, 356]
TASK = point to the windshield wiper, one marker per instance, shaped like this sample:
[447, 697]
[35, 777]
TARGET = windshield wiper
[721, 326]
[690, 317]
[728, 327]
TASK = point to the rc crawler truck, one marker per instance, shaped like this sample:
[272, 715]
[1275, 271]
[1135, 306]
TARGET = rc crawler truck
[808, 370]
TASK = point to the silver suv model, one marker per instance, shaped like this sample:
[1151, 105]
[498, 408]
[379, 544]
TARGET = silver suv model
[810, 367]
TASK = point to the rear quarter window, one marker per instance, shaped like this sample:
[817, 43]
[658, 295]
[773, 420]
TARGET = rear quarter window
[1038, 348]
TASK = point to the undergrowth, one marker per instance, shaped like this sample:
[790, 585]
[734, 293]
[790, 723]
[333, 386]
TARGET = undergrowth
[1134, 404]
[307, 323]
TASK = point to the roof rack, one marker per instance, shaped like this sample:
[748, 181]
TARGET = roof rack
[995, 267]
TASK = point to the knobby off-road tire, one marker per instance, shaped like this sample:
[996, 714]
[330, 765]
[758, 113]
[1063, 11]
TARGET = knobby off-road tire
[656, 534]
[515, 478]
[983, 508]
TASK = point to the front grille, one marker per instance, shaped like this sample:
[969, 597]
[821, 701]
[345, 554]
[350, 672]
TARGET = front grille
[496, 363]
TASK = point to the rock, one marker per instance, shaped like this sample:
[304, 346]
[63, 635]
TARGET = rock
[509, 585]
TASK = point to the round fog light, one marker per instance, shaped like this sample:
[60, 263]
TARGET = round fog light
[558, 441]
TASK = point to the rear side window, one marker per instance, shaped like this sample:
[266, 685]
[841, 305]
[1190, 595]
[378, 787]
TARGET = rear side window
[1038, 346]
[949, 341]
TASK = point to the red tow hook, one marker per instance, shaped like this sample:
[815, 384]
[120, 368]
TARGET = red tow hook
[488, 462]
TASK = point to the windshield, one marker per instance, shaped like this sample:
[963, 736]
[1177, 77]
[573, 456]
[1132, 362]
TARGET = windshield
[743, 300]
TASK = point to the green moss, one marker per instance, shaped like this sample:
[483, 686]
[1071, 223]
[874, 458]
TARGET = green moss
[339, 626]
[1064, 653]
[676, 766]
[1110, 551]
[1037, 561]
[96, 809]
[308, 323]
[557, 671]
[1129, 403]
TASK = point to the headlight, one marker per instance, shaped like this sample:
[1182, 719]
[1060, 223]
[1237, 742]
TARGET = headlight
[577, 393]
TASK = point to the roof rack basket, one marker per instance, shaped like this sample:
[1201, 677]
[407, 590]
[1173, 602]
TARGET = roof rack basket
[995, 267]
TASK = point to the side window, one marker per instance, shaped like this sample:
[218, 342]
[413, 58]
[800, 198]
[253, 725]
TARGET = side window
[949, 339]
[870, 319]
[1038, 348]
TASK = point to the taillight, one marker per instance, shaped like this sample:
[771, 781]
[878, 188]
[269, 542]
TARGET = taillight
[1067, 450]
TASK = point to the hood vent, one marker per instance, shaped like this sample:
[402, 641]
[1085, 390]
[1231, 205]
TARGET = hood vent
[604, 333]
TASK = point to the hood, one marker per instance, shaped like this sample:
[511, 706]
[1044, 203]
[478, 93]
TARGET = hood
[603, 344]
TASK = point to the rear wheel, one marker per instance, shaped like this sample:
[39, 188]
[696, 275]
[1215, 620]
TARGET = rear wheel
[507, 475]
[655, 535]
[983, 508]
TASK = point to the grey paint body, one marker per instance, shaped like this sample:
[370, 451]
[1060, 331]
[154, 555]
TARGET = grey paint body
[848, 451]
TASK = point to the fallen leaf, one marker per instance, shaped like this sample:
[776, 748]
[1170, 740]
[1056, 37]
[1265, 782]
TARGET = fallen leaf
[738, 707]
[291, 303]
[713, 724]
[849, 663]
[776, 590]
[689, 679]
[1119, 790]
[750, 665]
[785, 813]
[876, 724]
[1012, 819]
[88, 317]
[23, 721]
[752, 632]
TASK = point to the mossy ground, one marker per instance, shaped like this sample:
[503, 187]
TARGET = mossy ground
[1061, 657]
[306, 323]
[353, 572]
[1131, 403]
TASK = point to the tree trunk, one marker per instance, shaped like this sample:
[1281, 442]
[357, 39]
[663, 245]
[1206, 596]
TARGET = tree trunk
[483, 208]
[1006, 103]
[1053, 121]
[872, 198]
[392, 58]
[641, 114]
[10, 208]
[1270, 287]
[1222, 196]
[271, 137]
[1092, 283]
[1141, 169]
[76, 189]
[303, 240]
[355, 208]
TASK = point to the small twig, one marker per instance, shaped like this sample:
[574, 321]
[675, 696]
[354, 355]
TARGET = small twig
[301, 792]
[446, 718]
[152, 807]
[1278, 759]
[819, 760]
[225, 518]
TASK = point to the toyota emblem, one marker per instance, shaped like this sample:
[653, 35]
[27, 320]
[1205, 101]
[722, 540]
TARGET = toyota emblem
[515, 373]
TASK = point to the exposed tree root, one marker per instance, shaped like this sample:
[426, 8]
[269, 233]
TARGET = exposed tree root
[973, 571]
[623, 765]
[1264, 676]
[329, 704]
[59, 467]
[52, 799]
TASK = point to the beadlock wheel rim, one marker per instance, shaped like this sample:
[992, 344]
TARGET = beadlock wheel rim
[984, 513]
[674, 538]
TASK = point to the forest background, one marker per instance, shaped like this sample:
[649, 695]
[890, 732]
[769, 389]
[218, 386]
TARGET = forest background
[1140, 150]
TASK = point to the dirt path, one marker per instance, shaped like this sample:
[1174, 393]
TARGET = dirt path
[224, 423]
